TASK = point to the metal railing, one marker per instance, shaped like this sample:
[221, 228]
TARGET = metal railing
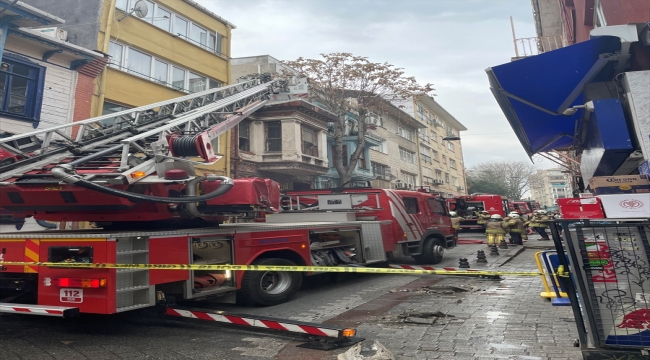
[537, 45]
[426, 158]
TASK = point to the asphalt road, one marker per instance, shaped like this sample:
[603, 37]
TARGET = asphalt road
[143, 335]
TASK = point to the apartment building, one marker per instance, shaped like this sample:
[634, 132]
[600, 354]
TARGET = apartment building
[546, 186]
[395, 160]
[439, 152]
[169, 49]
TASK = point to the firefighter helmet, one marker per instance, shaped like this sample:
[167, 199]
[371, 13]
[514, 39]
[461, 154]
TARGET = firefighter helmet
[452, 213]
[514, 215]
[496, 216]
[543, 212]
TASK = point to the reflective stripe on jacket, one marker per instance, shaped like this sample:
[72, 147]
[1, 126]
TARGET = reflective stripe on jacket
[495, 227]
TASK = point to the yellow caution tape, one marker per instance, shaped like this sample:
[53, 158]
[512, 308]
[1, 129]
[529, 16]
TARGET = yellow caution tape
[334, 269]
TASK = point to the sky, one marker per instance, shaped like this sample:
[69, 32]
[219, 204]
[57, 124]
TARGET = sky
[448, 43]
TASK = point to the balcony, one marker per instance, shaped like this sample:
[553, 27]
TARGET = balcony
[426, 159]
[532, 46]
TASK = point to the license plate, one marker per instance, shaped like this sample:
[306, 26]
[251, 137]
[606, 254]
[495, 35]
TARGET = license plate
[71, 296]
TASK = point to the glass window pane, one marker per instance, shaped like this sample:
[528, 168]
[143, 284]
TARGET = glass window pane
[163, 19]
[122, 4]
[161, 70]
[211, 41]
[18, 95]
[139, 63]
[197, 82]
[214, 84]
[115, 52]
[21, 70]
[178, 78]
[180, 26]
[3, 83]
[198, 35]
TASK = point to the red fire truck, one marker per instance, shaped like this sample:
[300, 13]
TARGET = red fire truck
[468, 207]
[152, 208]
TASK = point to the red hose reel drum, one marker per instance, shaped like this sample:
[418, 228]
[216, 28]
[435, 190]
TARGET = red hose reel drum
[192, 146]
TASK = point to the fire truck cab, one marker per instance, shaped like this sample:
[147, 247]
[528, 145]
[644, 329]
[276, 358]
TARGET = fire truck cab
[469, 206]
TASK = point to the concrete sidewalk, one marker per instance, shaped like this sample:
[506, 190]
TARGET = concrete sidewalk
[494, 319]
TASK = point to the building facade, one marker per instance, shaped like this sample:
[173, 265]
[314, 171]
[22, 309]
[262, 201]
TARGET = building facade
[178, 47]
[395, 160]
[440, 162]
[45, 81]
[285, 141]
[546, 186]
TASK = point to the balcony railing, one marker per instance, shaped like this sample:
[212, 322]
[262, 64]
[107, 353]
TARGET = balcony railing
[426, 158]
[424, 138]
[537, 45]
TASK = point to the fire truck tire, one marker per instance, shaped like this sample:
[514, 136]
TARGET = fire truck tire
[270, 287]
[432, 252]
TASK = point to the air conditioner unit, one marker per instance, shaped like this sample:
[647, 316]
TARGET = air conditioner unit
[438, 181]
[54, 32]
[461, 188]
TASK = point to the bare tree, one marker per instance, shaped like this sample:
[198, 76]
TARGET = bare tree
[345, 84]
[514, 176]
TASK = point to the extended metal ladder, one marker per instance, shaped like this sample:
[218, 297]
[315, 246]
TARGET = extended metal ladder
[112, 147]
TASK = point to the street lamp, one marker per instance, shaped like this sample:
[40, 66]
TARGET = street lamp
[449, 138]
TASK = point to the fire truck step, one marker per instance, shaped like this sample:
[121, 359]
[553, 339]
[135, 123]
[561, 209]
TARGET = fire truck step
[322, 337]
[60, 311]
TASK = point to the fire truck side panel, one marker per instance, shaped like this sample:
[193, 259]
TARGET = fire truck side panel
[98, 300]
[12, 250]
[168, 250]
[388, 236]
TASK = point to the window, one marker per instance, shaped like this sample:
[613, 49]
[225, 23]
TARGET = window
[309, 142]
[434, 137]
[427, 180]
[406, 134]
[381, 171]
[21, 87]
[424, 153]
[110, 108]
[454, 180]
[411, 205]
[452, 163]
[434, 155]
[438, 175]
[122, 4]
[115, 51]
[244, 136]
[423, 135]
[362, 160]
[139, 63]
[163, 19]
[198, 34]
[180, 26]
[447, 178]
[178, 78]
[444, 159]
[382, 148]
[214, 84]
[450, 146]
[160, 71]
[437, 207]
[407, 156]
[274, 136]
[197, 82]
[599, 14]
[420, 110]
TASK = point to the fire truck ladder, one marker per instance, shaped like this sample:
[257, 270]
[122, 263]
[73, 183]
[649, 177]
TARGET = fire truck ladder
[128, 146]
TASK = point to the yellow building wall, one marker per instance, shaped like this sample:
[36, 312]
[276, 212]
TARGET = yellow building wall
[132, 91]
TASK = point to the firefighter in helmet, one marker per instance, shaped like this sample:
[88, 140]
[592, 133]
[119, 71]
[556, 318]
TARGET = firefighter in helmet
[516, 228]
[495, 229]
[455, 223]
[539, 221]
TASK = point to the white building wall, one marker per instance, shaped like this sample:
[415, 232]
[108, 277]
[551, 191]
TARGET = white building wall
[58, 92]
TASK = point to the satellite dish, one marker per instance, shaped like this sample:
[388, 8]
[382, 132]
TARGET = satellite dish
[140, 9]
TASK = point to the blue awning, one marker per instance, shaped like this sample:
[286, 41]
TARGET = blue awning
[534, 92]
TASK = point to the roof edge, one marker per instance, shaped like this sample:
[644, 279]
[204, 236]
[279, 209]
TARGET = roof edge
[449, 118]
[213, 15]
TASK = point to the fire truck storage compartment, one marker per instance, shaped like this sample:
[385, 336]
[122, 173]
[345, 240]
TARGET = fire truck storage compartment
[331, 247]
[210, 250]
[132, 285]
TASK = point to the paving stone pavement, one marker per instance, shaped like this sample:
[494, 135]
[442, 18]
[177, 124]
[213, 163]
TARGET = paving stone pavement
[504, 319]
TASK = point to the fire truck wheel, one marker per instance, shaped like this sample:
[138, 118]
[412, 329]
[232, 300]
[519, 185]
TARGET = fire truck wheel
[270, 287]
[432, 252]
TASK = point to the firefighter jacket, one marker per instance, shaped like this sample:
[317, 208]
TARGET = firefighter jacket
[455, 222]
[516, 226]
[482, 219]
[495, 227]
[538, 221]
